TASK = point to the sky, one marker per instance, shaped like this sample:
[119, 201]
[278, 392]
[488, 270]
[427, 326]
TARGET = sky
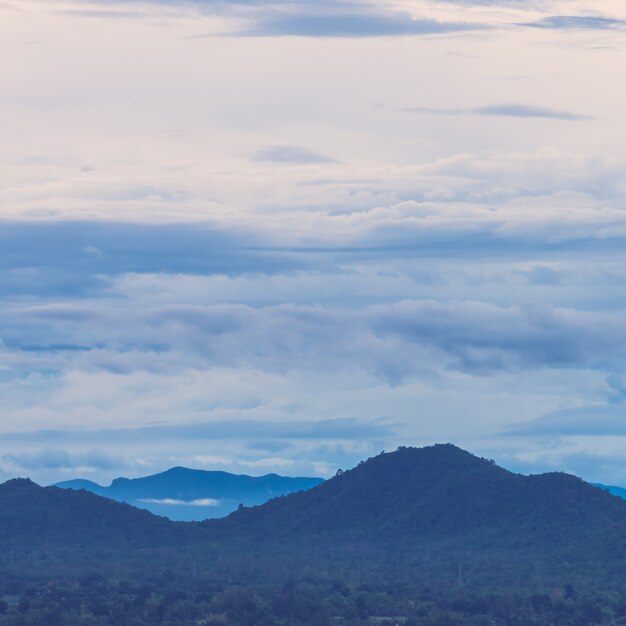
[282, 236]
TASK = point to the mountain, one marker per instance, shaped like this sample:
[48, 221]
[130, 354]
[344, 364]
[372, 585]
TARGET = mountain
[438, 495]
[33, 517]
[417, 536]
[620, 492]
[80, 483]
[187, 495]
[415, 510]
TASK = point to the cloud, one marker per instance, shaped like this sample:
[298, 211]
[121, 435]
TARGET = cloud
[507, 110]
[336, 429]
[578, 22]
[92, 250]
[290, 154]
[523, 110]
[438, 275]
[597, 459]
[71, 258]
[348, 20]
[56, 459]
[106, 14]
[544, 276]
[174, 502]
[276, 18]
[219, 444]
[394, 341]
[595, 420]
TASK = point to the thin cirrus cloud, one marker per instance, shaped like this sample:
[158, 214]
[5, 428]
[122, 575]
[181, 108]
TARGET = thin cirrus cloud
[506, 110]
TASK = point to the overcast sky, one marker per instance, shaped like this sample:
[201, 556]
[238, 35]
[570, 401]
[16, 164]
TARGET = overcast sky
[282, 236]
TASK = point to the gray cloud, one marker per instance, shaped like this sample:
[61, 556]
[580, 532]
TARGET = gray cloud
[599, 420]
[523, 110]
[290, 154]
[392, 341]
[339, 18]
[554, 455]
[507, 110]
[348, 21]
[394, 283]
[577, 22]
[103, 13]
[481, 337]
[79, 259]
[617, 385]
[327, 18]
[263, 432]
[55, 459]
[73, 258]
[544, 276]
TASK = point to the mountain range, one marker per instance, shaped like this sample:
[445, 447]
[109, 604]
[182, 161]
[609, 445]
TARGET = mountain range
[183, 494]
[415, 510]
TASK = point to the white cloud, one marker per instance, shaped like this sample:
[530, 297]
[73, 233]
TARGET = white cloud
[172, 501]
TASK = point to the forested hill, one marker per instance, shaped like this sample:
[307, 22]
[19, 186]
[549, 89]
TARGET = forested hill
[56, 520]
[187, 494]
[433, 534]
[438, 493]
[411, 502]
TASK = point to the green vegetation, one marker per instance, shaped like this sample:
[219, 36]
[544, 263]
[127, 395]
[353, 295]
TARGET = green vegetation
[432, 536]
[162, 599]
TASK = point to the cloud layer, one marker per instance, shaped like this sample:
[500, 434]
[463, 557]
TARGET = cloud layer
[225, 242]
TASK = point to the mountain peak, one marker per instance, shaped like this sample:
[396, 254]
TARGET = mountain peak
[410, 464]
[19, 484]
[440, 492]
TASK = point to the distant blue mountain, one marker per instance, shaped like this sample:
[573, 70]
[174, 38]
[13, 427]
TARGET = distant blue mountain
[616, 491]
[184, 494]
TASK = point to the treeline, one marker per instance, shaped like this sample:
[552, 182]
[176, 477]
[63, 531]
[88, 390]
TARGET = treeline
[95, 601]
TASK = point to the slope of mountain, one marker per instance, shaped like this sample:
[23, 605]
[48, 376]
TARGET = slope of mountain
[437, 494]
[620, 492]
[80, 483]
[32, 517]
[187, 495]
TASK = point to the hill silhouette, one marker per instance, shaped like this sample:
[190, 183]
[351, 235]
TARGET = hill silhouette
[188, 494]
[439, 490]
[433, 534]
[413, 505]
[32, 517]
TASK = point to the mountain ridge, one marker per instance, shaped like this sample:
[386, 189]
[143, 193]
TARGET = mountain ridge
[450, 494]
[415, 507]
[185, 494]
